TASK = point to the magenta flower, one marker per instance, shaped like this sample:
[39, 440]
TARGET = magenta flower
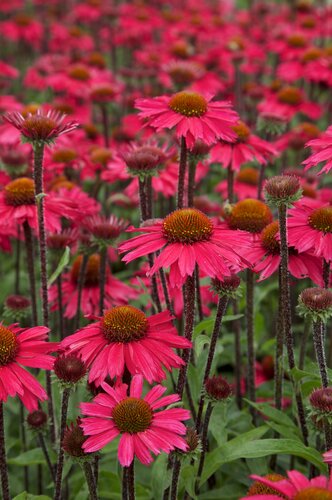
[40, 127]
[193, 115]
[24, 347]
[310, 228]
[188, 237]
[125, 338]
[322, 152]
[142, 428]
[296, 486]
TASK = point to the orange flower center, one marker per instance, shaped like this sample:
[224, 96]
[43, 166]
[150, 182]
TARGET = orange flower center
[248, 176]
[101, 155]
[132, 415]
[241, 130]
[124, 324]
[8, 345]
[39, 126]
[250, 215]
[91, 271]
[297, 40]
[188, 104]
[182, 75]
[102, 93]
[290, 95]
[20, 192]
[310, 129]
[64, 155]
[311, 54]
[269, 241]
[313, 494]
[321, 219]
[187, 225]
[79, 72]
[258, 488]
[23, 19]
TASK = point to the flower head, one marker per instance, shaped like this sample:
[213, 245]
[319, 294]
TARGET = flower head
[142, 428]
[283, 190]
[193, 115]
[40, 127]
[250, 215]
[73, 440]
[69, 369]
[125, 337]
[316, 303]
[25, 347]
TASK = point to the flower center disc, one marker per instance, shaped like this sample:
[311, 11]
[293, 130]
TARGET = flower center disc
[250, 215]
[241, 130]
[187, 225]
[290, 95]
[64, 155]
[91, 271]
[40, 127]
[321, 219]
[269, 240]
[188, 104]
[8, 345]
[124, 324]
[258, 488]
[132, 415]
[248, 176]
[20, 192]
[314, 494]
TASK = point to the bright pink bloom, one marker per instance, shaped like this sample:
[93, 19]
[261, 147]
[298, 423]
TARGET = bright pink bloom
[193, 115]
[188, 237]
[142, 428]
[310, 228]
[125, 338]
[291, 487]
[247, 147]
[24, 347]
[322, 152]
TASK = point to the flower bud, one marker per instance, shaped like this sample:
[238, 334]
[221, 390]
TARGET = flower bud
[283, 190]
[73, 440]
[69, 369]
[37, 420]
[217, 389]
[228, 287]
[315, 303]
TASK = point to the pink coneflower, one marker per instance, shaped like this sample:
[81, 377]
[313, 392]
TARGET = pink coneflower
[246, 148]
[310, 228]
[125, 338]
[296, 487]
[264, 255]
[142, 428]
[41, 126]
[193, 115]
[187, 237]
[24, 347]
[116, 292]
[322, 152]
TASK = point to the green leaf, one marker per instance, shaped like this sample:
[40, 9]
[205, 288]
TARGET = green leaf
[64, 261]
[200, 342]
[31, 457]
[207, 324]
[28, 496]
[161, 477]
[277, 416]
[260, 448]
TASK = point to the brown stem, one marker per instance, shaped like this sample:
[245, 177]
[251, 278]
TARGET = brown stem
[31, 270]
[80, 285]
[18, 261]
[102, 279]
[250, 341]
[105, 121]
[60, 307]
[46, 454]
[204, 445]
[191, 181]
[182, 173]
[238, 357]
[131, 481]
[3, 460]
[230, 184]
[59, 468]
[90, 480]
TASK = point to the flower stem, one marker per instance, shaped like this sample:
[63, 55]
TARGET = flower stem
[326, 274]
[230, 184]
[175, 479]
[46, 454]
[59, 467]
[320, 352]
[3, 460]
[204, 445]
[250, 341]
[169, 304]
[124, 483]
[198, 294]
[24, 446]
[18, 261]
[102, 279]
[90, 480]
[191, 180]
[80, 285]
[182, 173]
[31, 270]
[260, 181]
[188, 331]
[105, 122]
[279, 354]
[38, 150]
[131, 481]
[221, 308]
[60, 307]
[287, 321]
[238, 357]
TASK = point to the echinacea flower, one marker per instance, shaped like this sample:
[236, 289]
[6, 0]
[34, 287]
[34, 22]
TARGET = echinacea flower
[187, 237]
[142, 428]
[193, 115]
[124, 337]
[310, 228]
[322, 152]
[24, 347]
[296, 487]
[40, 127]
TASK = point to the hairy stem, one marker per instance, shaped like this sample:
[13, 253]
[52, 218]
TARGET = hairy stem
[80, 285]
[59, 468]
[182, 173]
[42, 444]
[60, 308]
[90, 481]
[3, 460]
[102, 279]
[250, 341]
[204, 445]
[31, 270]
